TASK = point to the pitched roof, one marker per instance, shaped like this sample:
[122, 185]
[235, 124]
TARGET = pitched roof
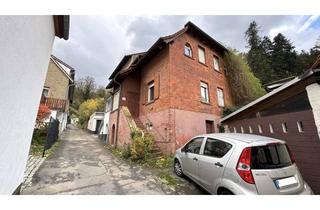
[316, 63]
[272, 93]
[162, 42]
[65, 68]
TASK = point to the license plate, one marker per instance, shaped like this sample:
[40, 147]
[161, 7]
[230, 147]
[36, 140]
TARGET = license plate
[283, 183]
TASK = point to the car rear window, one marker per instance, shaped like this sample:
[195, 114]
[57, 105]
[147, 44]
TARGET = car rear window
[270, 156]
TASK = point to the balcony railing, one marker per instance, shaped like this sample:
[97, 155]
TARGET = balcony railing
[54, 103]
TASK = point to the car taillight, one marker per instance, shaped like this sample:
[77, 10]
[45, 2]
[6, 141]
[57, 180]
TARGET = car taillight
[243, 166]
[293, 159]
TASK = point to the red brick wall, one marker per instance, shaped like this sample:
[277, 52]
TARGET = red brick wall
[305, 146]
[186, 74]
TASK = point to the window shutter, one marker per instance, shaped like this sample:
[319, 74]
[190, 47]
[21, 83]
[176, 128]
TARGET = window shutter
[157, 87]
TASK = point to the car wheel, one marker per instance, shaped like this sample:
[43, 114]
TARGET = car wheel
[226, 192]
[178, 168]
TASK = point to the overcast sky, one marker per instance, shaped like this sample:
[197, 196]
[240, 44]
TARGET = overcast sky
[97, 43]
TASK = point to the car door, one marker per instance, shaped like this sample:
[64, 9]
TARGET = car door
[190, 157]
[212, 162]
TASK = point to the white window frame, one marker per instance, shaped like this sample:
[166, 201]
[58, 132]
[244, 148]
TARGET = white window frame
[200, 51]
[260, 128]
[115, 100]
[48, 89]
[188, 50]
[300, 126]
[284, 127]
[271, 128]
[220, 96]
[216, 64]
[151, 85]
[204, 98]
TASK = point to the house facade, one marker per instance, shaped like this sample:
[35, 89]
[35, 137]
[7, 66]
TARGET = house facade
[290, 112]
[26, 45]
[176, 89]
[58, 90]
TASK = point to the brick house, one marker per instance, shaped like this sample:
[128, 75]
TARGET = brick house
[290, 112]
[58, 89]
[176, 89]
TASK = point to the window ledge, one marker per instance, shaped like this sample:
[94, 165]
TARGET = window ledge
[203, 64]
[150, 102]
[188, 57]
[204, 102]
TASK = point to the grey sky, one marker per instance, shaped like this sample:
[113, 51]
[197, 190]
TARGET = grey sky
[97, 43]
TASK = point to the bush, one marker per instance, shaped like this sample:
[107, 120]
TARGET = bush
[142, 144]
[245, 87]
[87, 108]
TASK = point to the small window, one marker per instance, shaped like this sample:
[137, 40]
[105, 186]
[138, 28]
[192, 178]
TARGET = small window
[216, 148]
[45, 92]
[242, 130]
[300, 126]
[204, 92]
[151, 91]
[234, 130]
[220, 97]
[194, 145]
[260, 128]
[250, 129]
[271, 128]
[187, 50]
[284, 127]
[202, 55]
[216, 65]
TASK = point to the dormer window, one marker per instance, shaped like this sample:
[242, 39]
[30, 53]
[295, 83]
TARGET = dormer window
[187, 50]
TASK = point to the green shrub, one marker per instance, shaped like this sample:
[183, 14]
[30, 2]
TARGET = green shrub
[142, 144]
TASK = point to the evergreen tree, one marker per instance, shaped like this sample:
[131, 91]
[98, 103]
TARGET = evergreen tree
[283, 57]
[258, 54]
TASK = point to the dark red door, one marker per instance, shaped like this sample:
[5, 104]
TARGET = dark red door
[209, 126]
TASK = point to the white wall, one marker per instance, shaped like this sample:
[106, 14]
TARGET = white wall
[93, 120]
[25, 47]
[313, 91]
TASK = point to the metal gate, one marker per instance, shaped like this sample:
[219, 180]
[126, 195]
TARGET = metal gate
[52, 136]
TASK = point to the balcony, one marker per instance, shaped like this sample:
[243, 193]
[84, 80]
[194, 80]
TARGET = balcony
[54, 103]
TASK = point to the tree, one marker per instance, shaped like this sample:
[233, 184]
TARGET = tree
[88, 107]
[245, 87]
[259, 53]
[84, 90]
[43, 113]
[283, 57]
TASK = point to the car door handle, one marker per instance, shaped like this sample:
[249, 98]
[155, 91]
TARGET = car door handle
[195, 159]
[218, 164]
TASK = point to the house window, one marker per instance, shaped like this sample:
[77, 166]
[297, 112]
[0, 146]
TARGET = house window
[187, 50]
[284, 127]
[202, 55]
[220, 97]
[151, 91]
[216, 63]
[204, 92]
[260, 128]
[115, 101]
[242, 130]
[45, 92]
[271, 128]
[300, 126]
[250, 129]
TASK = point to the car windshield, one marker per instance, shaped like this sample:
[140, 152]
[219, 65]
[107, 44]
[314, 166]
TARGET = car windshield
[270, 156]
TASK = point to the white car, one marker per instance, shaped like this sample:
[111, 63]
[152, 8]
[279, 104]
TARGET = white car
[231, 163]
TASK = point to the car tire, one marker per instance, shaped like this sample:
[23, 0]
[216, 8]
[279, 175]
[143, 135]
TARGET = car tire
[226, 192]
[178, 168]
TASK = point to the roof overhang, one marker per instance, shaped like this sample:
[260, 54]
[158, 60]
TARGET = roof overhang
[61, 26]
[295, 81]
